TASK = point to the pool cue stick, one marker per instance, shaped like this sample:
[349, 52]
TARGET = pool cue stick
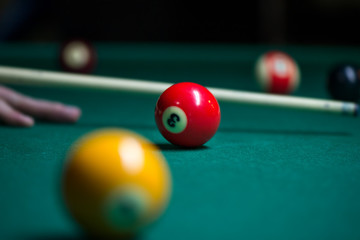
[12, 75]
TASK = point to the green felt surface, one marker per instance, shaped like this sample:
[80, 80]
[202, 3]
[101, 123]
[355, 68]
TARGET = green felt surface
[267, 174]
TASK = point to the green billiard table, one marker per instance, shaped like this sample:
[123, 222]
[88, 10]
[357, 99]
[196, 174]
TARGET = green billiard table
[268, 173]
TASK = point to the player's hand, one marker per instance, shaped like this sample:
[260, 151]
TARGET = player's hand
[20, 110]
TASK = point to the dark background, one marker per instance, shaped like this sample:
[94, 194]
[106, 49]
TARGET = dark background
[250, 22]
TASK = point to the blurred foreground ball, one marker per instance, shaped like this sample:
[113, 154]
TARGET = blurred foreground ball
[115, 183]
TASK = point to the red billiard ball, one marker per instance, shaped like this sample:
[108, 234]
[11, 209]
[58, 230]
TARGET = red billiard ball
[277, 72]
[187, 114]
[77, 56]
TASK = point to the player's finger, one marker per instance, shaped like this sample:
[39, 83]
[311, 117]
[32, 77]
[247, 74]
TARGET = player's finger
[40, 108]
[12, 117]
[49, 110]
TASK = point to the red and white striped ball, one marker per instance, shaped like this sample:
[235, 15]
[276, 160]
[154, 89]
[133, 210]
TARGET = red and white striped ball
[277, 72]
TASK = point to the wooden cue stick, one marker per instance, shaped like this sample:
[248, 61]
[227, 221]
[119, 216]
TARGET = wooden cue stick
[12, 75]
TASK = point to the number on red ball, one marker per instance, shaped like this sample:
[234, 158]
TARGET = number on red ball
[187, 114]
[277, 72]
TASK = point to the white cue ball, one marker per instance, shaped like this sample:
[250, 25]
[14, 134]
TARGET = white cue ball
[78, 56]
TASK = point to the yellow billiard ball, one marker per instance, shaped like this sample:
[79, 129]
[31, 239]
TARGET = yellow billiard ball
[115, 183]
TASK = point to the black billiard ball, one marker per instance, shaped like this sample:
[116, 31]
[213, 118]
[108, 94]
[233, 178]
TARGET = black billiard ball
[77, 56]
[344, 82]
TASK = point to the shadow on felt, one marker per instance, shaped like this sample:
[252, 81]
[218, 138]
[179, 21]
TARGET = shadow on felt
[171, 147]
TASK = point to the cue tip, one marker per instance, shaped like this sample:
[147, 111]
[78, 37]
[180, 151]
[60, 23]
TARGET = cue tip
[356, 110]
